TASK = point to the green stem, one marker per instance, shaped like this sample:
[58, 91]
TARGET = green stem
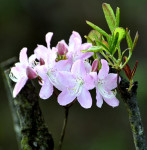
[107, 59]
[119, 53]
[64, 128]
[130, 100]
[130, 54]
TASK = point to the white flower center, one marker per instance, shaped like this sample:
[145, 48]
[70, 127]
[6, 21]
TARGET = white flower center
[52, 76]
[103, 92]
[78, 87]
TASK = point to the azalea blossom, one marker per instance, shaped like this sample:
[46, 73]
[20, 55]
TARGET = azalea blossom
[105, 83]
[73, 50]
[77, 85]
[48, 67]
[43, 53]
[73, 76]
[22, 71]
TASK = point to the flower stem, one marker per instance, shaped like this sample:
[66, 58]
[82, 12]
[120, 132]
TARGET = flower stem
[64, 128]
[130, 100]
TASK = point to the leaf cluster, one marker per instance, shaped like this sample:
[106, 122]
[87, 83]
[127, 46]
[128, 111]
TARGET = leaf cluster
[109, 44]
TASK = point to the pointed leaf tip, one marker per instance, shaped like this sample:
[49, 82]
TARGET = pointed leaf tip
[129, 39]
[117, 17]
[135, 40]
[109, 15]
[97, 28]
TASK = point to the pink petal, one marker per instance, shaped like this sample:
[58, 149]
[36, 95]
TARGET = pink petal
[23, 58]
[73, 36]
[41, 52]
[85, 99]
[103, 73]
[51, 57]
[42, 71]
[32, 59]
[89, 82]
[78, 68]
[46, 90]
[54, 49]
[111, 81]
[66, 78]
[94, 76]
[48, 38]
[87, 66]
[63, 65]
[74, 47]
[19, 85]
[65, 98]
[114, 102]
[85, 55]
[85, 46]
[99, 99]
[16, 71]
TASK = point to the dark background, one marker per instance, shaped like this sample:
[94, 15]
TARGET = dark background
[24, 23]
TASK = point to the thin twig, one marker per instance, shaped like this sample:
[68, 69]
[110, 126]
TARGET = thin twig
[64, 128]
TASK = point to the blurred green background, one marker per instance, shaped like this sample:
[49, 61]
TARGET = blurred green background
[24, 23]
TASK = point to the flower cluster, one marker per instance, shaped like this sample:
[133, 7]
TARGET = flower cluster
[66, 68]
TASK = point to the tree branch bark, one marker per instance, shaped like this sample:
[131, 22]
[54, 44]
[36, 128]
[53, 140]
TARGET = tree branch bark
[130, 100]
[31, 130]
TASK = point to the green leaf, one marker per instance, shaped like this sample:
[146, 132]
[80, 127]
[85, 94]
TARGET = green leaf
[97, 28]
[117, 17]
[135, 40]
[129, 39]
[113, 47]
[109, 15]
[124, 51]
[103, 46]
[94, 35]
[90, 40]
[93, 49]
[121, 32]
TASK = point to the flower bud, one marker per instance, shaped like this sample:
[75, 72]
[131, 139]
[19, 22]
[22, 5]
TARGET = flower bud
[42, 62]
[95, 65]
[31, 73]
[62, 49]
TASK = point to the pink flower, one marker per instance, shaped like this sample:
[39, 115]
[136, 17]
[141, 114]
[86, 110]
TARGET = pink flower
[73, 50]
[77, 84]
[48, 74]
[48, 67]
[46, 55]
[22, 71]
[105, 83]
